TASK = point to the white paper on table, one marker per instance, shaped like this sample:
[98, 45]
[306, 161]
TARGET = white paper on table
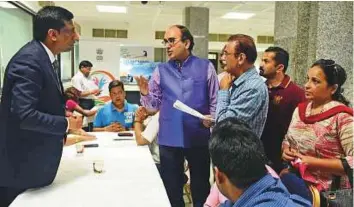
[186, 109]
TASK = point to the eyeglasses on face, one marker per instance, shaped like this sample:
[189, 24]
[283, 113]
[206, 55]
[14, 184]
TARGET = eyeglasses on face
[227, 53]
[170, 41]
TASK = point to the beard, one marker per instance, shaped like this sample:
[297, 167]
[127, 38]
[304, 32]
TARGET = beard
[261, 71]
[266, 75]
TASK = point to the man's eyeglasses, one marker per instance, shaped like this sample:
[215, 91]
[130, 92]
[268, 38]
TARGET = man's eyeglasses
[227, 53]
[170, 41]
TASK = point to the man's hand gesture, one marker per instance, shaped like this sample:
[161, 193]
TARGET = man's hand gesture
[143, 85]
[226, 81]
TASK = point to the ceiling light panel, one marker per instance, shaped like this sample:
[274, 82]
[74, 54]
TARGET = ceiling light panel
[111, 9]
[237, 15]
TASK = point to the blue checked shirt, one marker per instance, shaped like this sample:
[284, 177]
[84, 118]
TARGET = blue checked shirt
[247, 100]
[268, 192]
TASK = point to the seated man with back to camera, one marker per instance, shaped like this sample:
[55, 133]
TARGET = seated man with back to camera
[117, 115]
[241, 176]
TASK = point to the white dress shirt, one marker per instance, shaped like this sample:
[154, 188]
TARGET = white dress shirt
[50, 54]
[52, 59]
[150, 134]
[82, 83]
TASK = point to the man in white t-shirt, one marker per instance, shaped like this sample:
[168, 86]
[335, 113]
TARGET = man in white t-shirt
[88, 89]
[148, 135]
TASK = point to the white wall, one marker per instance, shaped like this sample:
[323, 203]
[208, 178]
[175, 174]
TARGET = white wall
[141, 34]
[137, 35]
[111, 53]
[33, 5]
[15, 31]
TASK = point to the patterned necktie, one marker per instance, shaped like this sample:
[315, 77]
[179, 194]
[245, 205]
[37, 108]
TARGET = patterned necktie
[56, 70]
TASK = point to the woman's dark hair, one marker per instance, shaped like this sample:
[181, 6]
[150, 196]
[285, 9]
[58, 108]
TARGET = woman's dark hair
[335, 74]
[72, 93]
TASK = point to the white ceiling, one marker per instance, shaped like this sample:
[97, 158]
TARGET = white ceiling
[160, 14]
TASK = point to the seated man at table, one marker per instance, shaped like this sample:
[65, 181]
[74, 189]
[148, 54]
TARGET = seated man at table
[146, 127]
[117, 115]
[241, 176]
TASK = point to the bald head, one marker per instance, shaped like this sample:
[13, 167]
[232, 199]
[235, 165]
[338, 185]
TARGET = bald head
[179, 42]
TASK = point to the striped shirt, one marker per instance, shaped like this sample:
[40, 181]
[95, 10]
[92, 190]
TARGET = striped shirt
[247, 100]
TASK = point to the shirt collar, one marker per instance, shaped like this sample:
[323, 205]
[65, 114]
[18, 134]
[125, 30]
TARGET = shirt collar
[284, 84]
[286, 81]
[256, 189]
[81, 74]
[50, 54]
[175, 63]
[113, 108]
[245, 76]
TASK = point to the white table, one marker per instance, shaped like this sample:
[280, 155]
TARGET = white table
[130, 178]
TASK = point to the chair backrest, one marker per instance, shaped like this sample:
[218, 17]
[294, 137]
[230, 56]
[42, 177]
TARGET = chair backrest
[316, 199]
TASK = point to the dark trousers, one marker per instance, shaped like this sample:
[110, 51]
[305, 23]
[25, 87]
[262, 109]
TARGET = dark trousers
[172, 173]
[296, 185]
[87, 104]
[7, 195]
[272, 148]
[158, 166]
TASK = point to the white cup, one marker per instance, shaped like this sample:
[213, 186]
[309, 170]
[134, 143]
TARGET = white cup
[98, 166]
[79, 148]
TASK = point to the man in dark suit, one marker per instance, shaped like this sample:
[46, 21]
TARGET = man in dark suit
[32, 122]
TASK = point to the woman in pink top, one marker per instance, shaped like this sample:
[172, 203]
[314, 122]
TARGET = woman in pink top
[319, 141]
[72, 98]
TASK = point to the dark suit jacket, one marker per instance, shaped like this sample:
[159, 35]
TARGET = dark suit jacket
[32, 122]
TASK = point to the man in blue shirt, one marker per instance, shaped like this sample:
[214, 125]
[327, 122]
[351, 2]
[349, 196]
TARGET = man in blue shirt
[117, 115]
[240, 173]
[242, 93]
